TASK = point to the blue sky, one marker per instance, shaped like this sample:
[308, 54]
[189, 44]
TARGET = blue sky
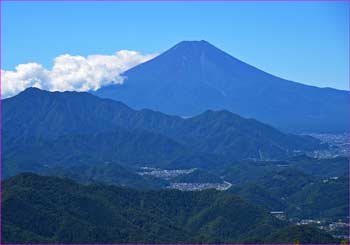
[306, 42]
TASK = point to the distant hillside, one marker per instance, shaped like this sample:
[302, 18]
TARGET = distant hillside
[285, 182]
[194, 76]
[338, 166]
[257, 194]
[119, 146]
[300, 195]
[242, 172]
[39, 209]
[328, 198]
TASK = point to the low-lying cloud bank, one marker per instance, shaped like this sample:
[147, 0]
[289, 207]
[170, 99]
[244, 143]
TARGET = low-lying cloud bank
[72, 73]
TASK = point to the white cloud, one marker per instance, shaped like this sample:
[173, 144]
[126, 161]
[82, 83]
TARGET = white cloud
[72, 73]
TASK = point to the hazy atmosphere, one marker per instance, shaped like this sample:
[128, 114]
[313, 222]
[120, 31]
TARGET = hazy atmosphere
[175, 122]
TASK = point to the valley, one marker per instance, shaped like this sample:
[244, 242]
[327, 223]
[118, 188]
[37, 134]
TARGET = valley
[187, 179]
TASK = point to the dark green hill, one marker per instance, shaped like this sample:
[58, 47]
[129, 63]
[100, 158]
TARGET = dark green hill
[338, 166]
[300, 195]
[272, 188]
[326, 198]
[241, 172]
[300, 235]
[257, 194]
[39, 209]
[285, 182]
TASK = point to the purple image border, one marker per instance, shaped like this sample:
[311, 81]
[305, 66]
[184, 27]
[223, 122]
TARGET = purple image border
[257, 1]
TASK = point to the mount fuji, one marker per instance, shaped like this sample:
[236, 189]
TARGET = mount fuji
[194, 76]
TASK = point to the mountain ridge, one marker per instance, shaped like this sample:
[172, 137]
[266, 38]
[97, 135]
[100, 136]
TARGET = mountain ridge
[53, 114]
